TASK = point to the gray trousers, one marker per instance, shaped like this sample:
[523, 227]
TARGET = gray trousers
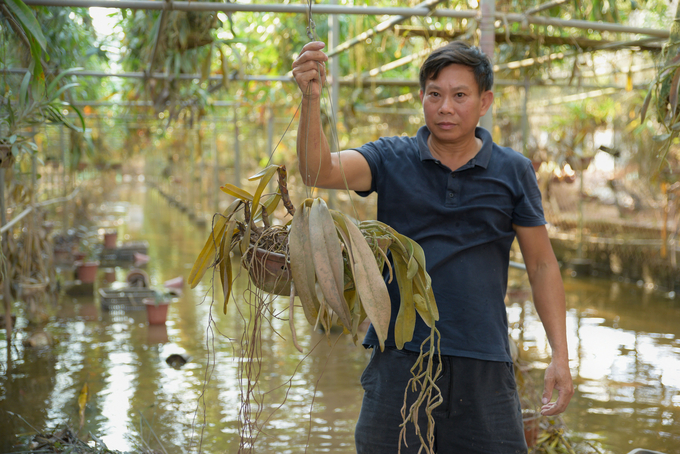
[480, 413]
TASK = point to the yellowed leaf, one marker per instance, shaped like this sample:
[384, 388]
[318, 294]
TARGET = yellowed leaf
[327, 256]
[301, 262]
[370, 284]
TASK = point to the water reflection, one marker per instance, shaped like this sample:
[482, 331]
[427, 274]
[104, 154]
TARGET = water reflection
[623, 346]
[624, 355]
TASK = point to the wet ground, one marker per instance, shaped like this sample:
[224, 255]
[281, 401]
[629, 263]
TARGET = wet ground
[624, 342]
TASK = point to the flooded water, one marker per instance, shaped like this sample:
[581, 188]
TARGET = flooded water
[624, 341]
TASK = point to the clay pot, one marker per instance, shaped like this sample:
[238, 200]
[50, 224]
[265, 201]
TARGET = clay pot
[269, 272]
[531, 427]
[156, 311]
[110, 239]
[110, 275]
[86, 272]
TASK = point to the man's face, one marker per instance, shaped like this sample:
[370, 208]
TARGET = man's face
[452, 103]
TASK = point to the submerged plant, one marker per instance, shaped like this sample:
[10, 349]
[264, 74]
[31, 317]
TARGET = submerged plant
[334, 264]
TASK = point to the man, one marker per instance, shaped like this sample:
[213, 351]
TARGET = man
[464, 199]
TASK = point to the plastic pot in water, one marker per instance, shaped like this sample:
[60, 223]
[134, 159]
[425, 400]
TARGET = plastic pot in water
[110, 239]
[86, 272]
[156, 311]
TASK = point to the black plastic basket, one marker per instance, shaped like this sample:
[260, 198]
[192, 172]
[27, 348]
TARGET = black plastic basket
[125, 299]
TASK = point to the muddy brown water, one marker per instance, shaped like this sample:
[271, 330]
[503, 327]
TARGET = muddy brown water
[624, 350]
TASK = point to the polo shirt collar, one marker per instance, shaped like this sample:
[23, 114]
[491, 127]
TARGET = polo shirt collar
[481, 159]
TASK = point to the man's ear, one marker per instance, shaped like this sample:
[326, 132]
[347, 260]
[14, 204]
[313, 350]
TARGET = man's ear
[421, 96]
[487, 100]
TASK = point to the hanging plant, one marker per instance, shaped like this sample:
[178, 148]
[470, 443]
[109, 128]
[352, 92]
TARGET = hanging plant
[334, 264]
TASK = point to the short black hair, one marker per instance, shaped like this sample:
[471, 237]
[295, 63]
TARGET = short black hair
[461, 53]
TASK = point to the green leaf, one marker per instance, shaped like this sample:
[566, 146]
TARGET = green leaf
[58, 93]
[209, 249]
[27, 19]
[673, 96]
[23, 89]
[406, 317]
[645, 103]
[225, 262]
[237, 192]
[661, 137]
[36, 68]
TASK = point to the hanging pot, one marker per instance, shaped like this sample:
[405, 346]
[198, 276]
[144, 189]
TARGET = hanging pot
[269, 271]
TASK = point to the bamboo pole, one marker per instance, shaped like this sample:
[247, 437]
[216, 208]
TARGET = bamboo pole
[64, 208]
[487, 42]
[544, 6]
[216, 170]
[664, 226]
[6, 295]
[525, 116]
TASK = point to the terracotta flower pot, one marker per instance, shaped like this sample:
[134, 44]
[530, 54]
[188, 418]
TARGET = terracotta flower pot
[86, 272]
[531, 427]
[269, 272]
[156, 311]
[110, 239]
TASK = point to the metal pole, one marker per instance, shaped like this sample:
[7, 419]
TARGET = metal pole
[487, 42]
[237, 151]
[344, 9]
[381, 27]
[298, 8]
[270, 142]
[369, 81]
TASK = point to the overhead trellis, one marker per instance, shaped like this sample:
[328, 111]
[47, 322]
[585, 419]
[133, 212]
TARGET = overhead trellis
[496, 27]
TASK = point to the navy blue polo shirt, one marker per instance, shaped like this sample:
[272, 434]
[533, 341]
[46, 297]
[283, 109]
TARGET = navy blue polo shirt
[463, 221]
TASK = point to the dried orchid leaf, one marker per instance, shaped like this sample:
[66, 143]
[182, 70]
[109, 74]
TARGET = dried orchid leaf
[327, 255]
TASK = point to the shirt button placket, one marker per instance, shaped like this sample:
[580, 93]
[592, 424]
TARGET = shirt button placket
[451, 191]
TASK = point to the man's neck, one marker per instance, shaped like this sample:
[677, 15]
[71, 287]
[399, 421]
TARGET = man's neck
[454, 155]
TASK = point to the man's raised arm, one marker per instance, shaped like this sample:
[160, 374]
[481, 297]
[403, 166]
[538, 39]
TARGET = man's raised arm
[318, 166]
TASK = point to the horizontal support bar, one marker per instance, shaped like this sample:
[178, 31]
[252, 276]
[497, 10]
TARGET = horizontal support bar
[344, 10]
[18, 218]
[365, 81]
[24, 213]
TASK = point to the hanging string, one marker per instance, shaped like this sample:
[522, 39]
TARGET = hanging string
[311, 34]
